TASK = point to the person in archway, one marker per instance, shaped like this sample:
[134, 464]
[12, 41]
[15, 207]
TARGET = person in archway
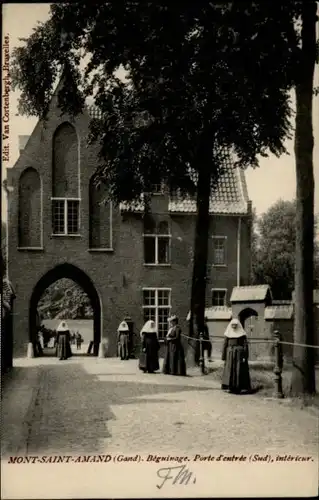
[235, 353]
[123, 340]
[78, 340]
[39, 343]
[174, 359]
[148, 361]
[45, 335]
[63, 341]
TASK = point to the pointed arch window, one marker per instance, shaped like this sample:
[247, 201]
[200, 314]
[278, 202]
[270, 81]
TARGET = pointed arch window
[65, 182]
[100, 219]
[30, 210]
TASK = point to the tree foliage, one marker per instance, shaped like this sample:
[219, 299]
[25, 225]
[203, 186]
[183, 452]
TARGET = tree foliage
[198, 74]
[274, 257]
[64, 299]
[274, 245]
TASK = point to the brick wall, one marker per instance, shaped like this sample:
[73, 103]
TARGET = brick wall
[118, 274]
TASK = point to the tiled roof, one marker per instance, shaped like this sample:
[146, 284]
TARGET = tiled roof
[133, 206]
[279, 312]
[249, 293]
[216, 312]
[230, 197]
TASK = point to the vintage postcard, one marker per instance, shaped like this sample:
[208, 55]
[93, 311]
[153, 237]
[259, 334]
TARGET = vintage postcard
[110, 253]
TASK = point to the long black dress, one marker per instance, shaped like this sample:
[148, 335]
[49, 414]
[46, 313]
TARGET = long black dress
[150, 347]
[63, 345]
[236, 376]
[174, 360]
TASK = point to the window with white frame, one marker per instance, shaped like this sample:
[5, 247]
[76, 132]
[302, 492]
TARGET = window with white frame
[219, 250]
[219, 296]
[65, 216]
[157, 306]
[156, 242]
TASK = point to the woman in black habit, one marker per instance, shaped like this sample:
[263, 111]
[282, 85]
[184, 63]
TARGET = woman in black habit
[236, 376]
[174, 360]
[150, 346]
[63, 350]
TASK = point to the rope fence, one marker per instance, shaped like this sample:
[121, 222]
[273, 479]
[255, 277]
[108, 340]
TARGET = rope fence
[278, 353]
[301, 345]
[255, 340]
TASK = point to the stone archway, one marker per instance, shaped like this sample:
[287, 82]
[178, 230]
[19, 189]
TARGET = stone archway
[249, 320]
[78, 276]
[247, 314]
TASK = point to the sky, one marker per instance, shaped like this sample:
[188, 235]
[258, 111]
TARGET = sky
[274, 179]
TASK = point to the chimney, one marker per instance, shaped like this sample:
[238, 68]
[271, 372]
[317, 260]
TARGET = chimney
[23, 139]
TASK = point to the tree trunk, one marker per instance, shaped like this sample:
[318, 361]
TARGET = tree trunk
[303, 374]
[199, 279]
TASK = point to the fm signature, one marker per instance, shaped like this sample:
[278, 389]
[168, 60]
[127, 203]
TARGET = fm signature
[175, 475]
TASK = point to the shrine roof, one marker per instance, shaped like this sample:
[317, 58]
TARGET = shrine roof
[254, 293]
[229, 198]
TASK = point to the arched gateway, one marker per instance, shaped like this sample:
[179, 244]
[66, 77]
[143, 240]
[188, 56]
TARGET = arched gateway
[78, 276]
[247, 314]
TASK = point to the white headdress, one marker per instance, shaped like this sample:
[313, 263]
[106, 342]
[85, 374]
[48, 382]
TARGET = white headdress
[149, 327]
[234, 329]
[172, 318]
[63, 327]
[123, 327]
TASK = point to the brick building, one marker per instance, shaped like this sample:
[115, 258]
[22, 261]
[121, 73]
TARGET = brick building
[127, 263]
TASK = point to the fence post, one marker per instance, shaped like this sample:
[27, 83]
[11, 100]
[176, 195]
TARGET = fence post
[201, 354]
[278, 366]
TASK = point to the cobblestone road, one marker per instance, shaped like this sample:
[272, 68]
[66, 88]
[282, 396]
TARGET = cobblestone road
[89, 405]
